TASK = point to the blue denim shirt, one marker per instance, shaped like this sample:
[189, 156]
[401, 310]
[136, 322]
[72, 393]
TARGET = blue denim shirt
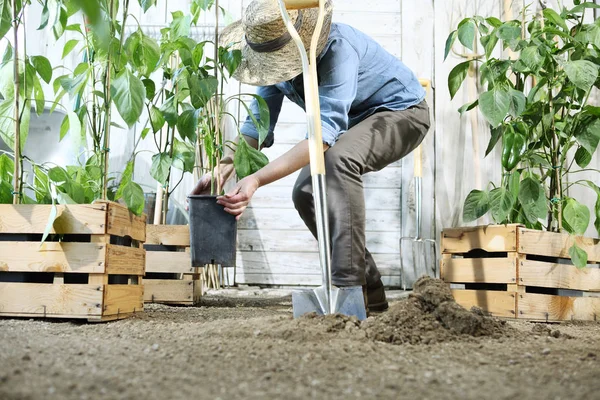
[357, 78]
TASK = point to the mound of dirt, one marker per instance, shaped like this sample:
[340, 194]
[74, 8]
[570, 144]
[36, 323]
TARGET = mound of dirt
[431, 315]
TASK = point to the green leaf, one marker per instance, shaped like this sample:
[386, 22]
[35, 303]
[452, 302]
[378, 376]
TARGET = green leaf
[184, 156]
[150, 88]
[157, 121]
[509, 32]
[146, 4]
[449, 43]
[143, 52]
[576, 216]
[533, 199]
[514, 183]
[457, 76]
[7, 122]
[128, 93]
[181, 25]
[187, 124]
[496, 134]
[7, 167]
[50, 223]
[263, 123]
[72, 124]
[518, 102]
[582, 157]
[161, 167]
[581, 7]
[230, 59]
[466, 33]
[501, 202]
[556, 19]
[247, 160]
[38, 94]
[58, 175]
[125, 179]
[489, 43]
[596, 206]
[5, 17]
[476, 205]
[133, 195]
[43, 67]
[531, 57]
[201, 89]
[495, 105]
[468, 107]
[5, 192]
[69, 46]
[144, 133]
[589, 136]
[578, 256]
[582, 73]
[169, 111]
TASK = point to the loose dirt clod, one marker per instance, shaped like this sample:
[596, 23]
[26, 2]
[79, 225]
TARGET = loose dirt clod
[431, 315]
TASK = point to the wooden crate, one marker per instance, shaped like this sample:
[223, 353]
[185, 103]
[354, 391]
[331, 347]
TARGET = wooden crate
[170, 278]
[511, 271]
[91, 266]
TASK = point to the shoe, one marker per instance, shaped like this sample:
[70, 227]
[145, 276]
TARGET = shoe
[376, 297]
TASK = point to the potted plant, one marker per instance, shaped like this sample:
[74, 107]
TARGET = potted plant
[537, 105]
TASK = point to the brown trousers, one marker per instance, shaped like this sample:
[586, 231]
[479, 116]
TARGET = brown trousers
[379, 140]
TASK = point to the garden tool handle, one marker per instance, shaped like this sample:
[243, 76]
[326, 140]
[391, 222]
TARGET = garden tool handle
[300, 4]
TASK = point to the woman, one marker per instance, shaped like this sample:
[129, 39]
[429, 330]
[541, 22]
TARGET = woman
[372, 110]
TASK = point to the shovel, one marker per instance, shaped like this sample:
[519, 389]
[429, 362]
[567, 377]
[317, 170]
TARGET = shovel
[325, 299]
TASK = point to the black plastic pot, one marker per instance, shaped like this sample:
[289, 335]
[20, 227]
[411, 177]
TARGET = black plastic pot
[213, 232]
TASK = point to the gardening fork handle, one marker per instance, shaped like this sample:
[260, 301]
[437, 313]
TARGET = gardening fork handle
[299, 4]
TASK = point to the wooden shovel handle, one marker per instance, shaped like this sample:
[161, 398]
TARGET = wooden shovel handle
[299, 4]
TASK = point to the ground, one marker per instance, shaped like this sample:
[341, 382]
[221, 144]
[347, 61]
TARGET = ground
[249, 347]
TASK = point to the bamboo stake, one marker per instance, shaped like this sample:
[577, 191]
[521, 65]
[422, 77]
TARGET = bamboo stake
[17, 115]
[107, 106]
[217, 110]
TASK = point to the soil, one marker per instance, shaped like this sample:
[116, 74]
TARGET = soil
[424, 347]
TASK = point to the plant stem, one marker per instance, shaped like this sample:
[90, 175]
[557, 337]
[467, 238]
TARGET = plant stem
[166, 191]
[217, 110]
[16, 173]
[107, 107]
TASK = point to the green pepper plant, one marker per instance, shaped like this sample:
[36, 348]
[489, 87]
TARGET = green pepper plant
[537, 104]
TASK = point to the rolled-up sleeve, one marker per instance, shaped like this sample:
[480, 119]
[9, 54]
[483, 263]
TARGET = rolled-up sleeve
[274, 99]
[338, 81]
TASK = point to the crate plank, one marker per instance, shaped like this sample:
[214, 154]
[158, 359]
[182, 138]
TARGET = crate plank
[72, 219]
[533, 306]
[488, 270]
[171, 291]
[52, 257]
[125, 260]
[168, 235]
[499, 304]
[121, 222]
[552, 275]
[491, 238]
[29, 299]
[169, 262]
[123, 299]
[553, 244]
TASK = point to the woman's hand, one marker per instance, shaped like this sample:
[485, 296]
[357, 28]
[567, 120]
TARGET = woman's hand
[236, 201]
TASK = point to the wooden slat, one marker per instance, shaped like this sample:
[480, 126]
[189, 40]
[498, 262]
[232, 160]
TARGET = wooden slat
[492, 238]
[553, 244]
[544, 307]
[302, 240]
[121, 222]
[168, 262]
[499, 304]
[168, 235]
[170, 291]
[71, 219]
[488, 270]
[52, 257]
[29, 299]
[125, 260]
[123, 299]
[301, 263]
[287, 219]
[551, 275]
[299, 280]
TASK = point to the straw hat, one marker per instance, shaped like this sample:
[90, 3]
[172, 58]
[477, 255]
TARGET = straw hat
[269, 55]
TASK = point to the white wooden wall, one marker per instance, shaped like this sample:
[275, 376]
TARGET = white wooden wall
[274, 247]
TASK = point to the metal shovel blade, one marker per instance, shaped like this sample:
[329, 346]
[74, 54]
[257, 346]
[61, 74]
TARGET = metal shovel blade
[346, 300]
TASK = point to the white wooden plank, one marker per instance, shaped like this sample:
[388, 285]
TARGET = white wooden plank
[281, 197]
[303, 241]
[372, 23]
[285, 219]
